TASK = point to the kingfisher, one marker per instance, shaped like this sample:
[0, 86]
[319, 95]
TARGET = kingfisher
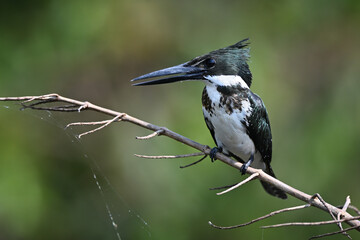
[236, 117]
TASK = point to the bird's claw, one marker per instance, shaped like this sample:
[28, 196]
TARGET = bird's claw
[245, 166]
[213, 152]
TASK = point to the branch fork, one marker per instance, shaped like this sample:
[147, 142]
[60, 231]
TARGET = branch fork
[102, 123]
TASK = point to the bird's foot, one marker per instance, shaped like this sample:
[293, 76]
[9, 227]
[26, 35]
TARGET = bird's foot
[213, 152]
[245, 166]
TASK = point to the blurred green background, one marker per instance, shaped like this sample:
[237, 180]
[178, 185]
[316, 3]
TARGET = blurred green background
[305, 64]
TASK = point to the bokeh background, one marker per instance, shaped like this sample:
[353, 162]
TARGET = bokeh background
[305, 64]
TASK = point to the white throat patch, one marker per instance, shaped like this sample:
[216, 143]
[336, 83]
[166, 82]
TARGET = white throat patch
[227, 80]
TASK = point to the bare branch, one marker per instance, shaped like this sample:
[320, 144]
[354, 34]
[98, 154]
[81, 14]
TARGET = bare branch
[87, 123]
[262, 217]
[222, 187]
[340, 214]
[170, 156]
[347, 204]
[176, 156]
[39, 103]
[334, 233]
[106, 123]
[193, 163]
[310, 223]
[317, 195]
[355, 209]
[251, 177]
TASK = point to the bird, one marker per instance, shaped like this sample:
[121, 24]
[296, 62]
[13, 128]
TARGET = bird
[235, 116]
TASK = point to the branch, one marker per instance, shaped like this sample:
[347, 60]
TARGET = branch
[334, 233]
[154, 134]
[173, 156]
[251, 177]
[170, 156]
[38, 102]
[310, 223]
[262, 217]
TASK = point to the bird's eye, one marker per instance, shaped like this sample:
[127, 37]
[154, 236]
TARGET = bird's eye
[209, 63]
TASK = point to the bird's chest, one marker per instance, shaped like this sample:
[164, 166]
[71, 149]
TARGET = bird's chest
[227, 115]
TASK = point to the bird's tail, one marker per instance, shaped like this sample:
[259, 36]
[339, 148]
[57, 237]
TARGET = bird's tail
[271, 189]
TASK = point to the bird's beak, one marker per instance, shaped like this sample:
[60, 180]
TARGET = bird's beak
[177, 73]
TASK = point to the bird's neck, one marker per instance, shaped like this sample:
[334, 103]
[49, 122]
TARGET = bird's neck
[215, 95]
[227, 81]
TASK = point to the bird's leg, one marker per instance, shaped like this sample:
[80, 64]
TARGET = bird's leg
[213, 152]
[245, 166]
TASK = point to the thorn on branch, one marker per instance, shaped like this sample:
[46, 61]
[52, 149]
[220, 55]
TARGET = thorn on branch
[154, 134]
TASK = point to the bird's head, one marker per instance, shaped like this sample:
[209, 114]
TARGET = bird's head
[226, 66]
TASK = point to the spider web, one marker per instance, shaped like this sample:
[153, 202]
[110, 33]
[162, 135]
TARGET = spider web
[120, 214]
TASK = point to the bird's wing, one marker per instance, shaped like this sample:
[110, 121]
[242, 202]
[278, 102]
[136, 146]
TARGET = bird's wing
[259, 128]
[211, 129]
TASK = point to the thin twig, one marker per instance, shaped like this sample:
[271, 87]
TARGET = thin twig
[107, 123]
[347, 204]
[170, 156]
[50, 99]
[317, 195]
[355, 209]
[193, 163]
[154, 134]
[55, 109]
[340, 214]
[38, 102]
[222, 187]
[32, 98]
[334, 233]
[344, 208]
[248, 179]
[261, 218]
[87, 123]
[310, 223]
